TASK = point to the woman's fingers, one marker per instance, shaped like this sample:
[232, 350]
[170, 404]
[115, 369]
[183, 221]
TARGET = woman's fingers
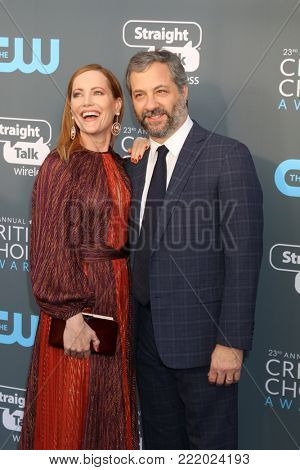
[140, 145]
[95, 342]
[78, 344]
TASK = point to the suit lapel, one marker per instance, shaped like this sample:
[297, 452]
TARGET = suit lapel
[187, 158]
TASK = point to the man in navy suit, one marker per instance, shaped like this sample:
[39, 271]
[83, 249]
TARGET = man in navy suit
[196, 241]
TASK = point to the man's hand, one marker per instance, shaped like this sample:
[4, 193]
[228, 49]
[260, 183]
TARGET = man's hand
[225, 366]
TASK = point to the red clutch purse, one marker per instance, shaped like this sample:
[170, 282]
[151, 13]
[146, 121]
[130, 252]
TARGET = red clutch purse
[106, 328]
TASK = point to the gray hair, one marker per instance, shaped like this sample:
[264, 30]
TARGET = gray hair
[142, 60]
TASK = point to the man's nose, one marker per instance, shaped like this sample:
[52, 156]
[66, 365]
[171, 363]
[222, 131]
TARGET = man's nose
[151, 102]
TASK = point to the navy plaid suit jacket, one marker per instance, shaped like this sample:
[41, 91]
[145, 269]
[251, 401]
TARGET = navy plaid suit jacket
[207, 249]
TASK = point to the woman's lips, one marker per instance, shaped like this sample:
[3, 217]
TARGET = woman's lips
[90, 118]
[90, 115]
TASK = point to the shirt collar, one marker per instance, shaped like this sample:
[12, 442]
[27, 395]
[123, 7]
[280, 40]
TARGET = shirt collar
[176, 141]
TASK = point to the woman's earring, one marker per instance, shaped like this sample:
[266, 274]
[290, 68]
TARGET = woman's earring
[116, 127]
[73, 130]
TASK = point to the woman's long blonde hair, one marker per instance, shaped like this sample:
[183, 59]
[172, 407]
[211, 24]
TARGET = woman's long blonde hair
[66, 146]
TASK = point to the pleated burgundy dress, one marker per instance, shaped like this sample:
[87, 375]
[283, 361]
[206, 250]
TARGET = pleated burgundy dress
[80, 211]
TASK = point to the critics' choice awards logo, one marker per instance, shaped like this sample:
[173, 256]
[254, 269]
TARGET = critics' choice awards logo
[287, 177]
[289, 85]
[182, 38]
[282, 383]
[14, 240]
[287, 258]
[12, 55]
[17, 328]
[25, 143]
[12, 403]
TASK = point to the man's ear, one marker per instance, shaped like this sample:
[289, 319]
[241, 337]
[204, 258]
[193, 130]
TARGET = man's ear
[185, 92]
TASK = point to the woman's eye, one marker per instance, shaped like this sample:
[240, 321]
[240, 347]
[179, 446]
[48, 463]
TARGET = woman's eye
[98, 92]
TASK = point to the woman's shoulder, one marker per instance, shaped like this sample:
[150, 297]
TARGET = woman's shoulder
[52, 161]
[54, 157]
[51, 158]
[51, 169]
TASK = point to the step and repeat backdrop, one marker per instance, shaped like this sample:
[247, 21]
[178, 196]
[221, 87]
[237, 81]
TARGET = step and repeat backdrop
[242, 58]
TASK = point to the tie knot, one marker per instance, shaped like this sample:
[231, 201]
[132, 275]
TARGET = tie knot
[162, 151]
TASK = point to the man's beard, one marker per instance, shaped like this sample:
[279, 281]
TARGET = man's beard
[173, 122]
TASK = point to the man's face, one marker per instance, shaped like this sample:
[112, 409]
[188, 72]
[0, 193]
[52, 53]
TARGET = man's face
[158, 104]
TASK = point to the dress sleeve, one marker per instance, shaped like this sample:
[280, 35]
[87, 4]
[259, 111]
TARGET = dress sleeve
[60, 285]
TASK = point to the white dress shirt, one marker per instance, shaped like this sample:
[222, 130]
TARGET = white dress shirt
[174, 144]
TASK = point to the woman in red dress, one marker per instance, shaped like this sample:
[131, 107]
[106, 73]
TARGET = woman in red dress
[80, 204]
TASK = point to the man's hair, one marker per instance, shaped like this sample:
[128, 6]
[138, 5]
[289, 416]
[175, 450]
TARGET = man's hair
[143, 60]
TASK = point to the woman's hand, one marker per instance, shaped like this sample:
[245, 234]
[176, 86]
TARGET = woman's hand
[78, 336]
[140, 145]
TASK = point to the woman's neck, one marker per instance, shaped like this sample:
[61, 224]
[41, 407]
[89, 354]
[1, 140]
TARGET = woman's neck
[95, 143]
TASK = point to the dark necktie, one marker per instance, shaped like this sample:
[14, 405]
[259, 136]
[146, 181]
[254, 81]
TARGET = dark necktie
[155, 198]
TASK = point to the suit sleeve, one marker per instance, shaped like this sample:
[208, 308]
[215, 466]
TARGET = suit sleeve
[59, 283]
[241, 224]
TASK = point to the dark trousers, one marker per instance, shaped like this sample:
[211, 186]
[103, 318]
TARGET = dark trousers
[180, 409]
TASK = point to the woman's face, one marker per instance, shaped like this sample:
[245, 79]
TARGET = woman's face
[93, 105]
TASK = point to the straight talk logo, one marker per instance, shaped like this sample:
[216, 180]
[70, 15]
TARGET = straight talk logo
[12, 403]
[25, 142]
[183, 38]
[286, 258]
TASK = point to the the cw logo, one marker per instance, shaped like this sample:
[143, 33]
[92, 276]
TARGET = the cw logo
[18, 61]
[16, 335]
[287, 177]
